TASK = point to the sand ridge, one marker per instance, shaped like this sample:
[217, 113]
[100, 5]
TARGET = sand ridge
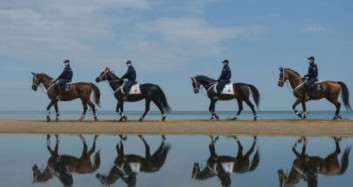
[183, 127]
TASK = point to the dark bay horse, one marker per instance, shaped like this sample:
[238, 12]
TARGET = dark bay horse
[241, 93]
[215, 164]
[331, 91]
[149, 92]
[126, 167]
[80, 90]
[62, 166]
[309, 167]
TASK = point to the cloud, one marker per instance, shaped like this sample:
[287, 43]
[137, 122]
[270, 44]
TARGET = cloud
[195, 36]
[313, 29]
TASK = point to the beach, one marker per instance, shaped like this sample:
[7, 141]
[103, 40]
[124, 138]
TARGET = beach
[314, 128]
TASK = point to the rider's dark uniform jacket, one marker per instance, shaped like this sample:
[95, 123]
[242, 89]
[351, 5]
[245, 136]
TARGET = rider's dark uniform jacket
[66, 74]
[226, 74]
[130, 74]
[312, 72]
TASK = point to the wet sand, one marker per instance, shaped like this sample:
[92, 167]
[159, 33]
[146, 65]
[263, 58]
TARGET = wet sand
[179, 127]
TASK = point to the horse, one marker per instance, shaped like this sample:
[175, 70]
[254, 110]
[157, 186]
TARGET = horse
[330, 90]
[215, 163]
[149, 92]
[80, 90]
[62, 166]
[127, 167]
[309, 167]
[241, 93]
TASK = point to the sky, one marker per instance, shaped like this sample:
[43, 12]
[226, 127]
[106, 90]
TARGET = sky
[169, 41]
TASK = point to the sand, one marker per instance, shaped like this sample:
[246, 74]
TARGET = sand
[183, 127]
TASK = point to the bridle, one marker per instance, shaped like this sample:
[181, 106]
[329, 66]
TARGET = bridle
[41, 85]
[283, 74]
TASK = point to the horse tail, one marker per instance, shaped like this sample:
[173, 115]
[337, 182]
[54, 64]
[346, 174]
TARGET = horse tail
[97, 161]
[345, 96]
[162, 99]
[345, 161]
[255, 161]
[255, 95]
[97, 94]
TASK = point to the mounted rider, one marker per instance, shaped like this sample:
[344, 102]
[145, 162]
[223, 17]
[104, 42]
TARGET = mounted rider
[223, 79]
[64, 77]
[130, 75]
[312, 75]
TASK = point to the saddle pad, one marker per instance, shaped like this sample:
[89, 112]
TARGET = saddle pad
[227, 90]
[227, 166]
[135, 89]
[67, 88]
[135, 167]
[317, 87]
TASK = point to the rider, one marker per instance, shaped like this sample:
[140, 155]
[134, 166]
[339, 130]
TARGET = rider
[224, 78]
[65, 77]
[311, 76]
[130, 75]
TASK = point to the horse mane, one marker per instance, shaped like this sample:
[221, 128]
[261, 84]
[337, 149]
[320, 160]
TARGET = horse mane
[208, 79]
[289, 69]
[113, 75]
[45, 75]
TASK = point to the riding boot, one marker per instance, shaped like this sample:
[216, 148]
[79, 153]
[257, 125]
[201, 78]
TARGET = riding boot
[58, 97]
[307, 97]
[216, 97]
[126, 96]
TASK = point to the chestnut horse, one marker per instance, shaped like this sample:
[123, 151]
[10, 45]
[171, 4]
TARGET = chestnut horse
[309, 167]
[331, 91]
[80, 90]
[241, 93]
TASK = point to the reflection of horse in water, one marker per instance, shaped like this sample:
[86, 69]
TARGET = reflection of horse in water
[62, 166]
[309, 167]
[127, 167]
[223, 166]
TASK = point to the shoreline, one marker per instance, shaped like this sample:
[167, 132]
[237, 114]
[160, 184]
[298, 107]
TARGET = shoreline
[313, 128]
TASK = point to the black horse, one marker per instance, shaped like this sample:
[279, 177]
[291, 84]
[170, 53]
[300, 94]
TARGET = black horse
[241, 93]
[149, 92]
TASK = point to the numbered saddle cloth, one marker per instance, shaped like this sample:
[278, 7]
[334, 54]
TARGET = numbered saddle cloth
[227, 166]
[67, 87]
[135, 167]
[227, 90]
[317, 86]
[135, 89]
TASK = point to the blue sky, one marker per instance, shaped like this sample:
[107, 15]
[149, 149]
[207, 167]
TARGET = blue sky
[169, 41]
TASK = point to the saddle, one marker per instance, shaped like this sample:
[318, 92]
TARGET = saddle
[66, 88]
[317, 86]
[135, 89]
[227, 90]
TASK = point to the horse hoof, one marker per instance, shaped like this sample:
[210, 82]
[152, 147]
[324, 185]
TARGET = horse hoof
[141, 119]
[57, 119]
[217, 118]
[300, 115]
[235, 118]
[95, 119]
[48, 119]
[339, 116]
[163, 119]
[80, 120]
[255, 119]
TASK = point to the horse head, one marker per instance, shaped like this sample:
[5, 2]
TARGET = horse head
[195, 170]
[35, 82]
[282, 77]
[103, 76]
[195, 85]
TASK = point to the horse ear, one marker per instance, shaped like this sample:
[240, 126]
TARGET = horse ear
[192, 79]
[280, 69]
[33, 73]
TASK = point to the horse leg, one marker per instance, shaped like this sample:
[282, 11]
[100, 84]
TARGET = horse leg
[84, 104]
[240, 151]
[338, 107]
[304, 109]
[93, 107]
[240, 106]
[251, 150]
[160, 107]
[247, 101]
[93, 145]
[84, 145]
[212, 109]
[123, 117]
[148, 102]
[147, 147]
[295, 110]
[57, 111]
[48, 110]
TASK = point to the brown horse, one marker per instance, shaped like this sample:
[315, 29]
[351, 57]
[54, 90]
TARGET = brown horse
[80, 90]
[331, 91]
[222, 166]
[241, 93]
[62, 166]
[309, 167]
[128, 166]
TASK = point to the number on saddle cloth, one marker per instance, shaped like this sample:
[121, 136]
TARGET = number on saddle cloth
[66, 88]
[227, 90]
[317, 87]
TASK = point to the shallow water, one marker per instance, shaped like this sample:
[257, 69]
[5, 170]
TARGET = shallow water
[20, 153]
[172, 115]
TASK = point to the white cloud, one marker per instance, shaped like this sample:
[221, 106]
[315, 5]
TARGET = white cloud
[313, 29]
